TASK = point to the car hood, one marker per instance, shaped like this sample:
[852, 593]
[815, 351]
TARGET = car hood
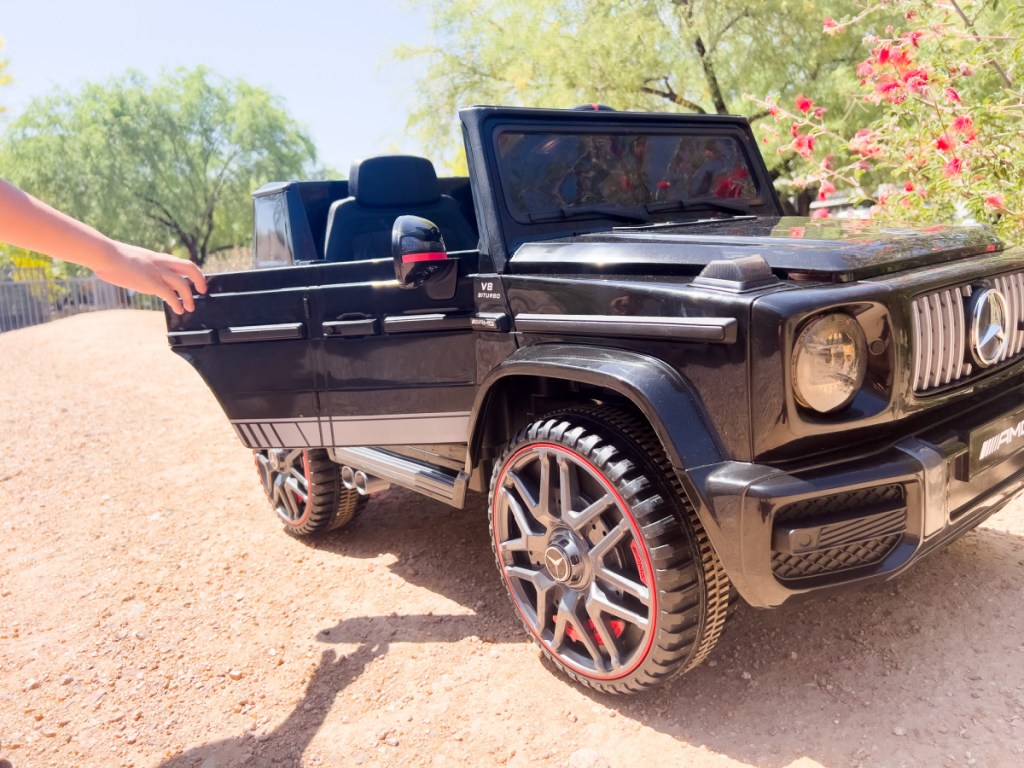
[835, 250]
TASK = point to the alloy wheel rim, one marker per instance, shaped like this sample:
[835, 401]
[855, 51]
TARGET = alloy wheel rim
[285, 477]
[573, 559]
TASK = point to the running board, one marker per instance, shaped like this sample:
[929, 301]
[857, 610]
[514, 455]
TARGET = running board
[431, 480]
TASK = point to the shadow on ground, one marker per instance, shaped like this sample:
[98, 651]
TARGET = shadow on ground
[805, 680]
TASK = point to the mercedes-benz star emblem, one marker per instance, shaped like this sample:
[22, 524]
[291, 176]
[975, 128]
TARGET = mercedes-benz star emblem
[557, 563]
[988, 334]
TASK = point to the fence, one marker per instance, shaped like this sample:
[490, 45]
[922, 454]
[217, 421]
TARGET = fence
[29, 297]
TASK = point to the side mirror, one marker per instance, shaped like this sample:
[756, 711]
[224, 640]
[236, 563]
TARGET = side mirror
[421, 258]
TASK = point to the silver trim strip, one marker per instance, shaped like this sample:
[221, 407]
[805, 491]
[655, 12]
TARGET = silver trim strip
[397, 429]
[275, 332]
[339, 431]
[716, 330]
[279, 433]
[934, 501]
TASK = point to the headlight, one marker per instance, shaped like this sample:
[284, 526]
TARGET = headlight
[829, 360]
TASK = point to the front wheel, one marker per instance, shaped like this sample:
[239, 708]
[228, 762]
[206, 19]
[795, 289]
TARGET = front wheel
[603, 557]
[305, 489]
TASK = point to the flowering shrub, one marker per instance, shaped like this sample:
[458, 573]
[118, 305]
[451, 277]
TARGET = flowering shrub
[939, 116]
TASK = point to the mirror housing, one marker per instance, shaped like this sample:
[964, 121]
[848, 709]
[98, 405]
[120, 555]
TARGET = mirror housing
[417, 248]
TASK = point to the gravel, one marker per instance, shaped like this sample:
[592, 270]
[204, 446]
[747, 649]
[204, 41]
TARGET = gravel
[152, 613]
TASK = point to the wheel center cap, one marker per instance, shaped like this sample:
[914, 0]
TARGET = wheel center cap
[564, 561]
[280, 461]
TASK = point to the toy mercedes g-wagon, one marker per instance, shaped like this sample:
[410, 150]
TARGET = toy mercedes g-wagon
[672, 394]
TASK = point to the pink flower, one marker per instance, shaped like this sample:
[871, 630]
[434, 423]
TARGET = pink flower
[773, 111]
[863, 143]
[819, 112]
[952, 95]
[996, 201]
[889, 88]
[953, 167]
[943, 143]
[908, 186]
[864, 69]
[831, 27]
[964, 126]
[820, 213]
[901, 59]
[826, 188]
[804, 104]
[796, 231]
[916, 79]
[913, 37]
[910, 15]
[803, 145]
[882, 54]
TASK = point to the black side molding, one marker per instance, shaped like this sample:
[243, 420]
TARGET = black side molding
[191, 338]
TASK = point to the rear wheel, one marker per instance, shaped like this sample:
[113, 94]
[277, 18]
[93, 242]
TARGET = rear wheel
[602, 555]
[304, 487]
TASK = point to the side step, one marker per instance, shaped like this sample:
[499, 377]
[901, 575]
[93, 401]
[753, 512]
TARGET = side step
[431, 480]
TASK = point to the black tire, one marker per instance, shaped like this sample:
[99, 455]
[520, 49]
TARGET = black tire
[305, 490]
[622, 591]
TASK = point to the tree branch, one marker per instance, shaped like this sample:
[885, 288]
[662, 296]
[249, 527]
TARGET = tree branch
[977, 38]
[705, 61]
[669, 94]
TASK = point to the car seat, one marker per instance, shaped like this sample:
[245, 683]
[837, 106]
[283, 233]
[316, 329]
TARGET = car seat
[380, 190]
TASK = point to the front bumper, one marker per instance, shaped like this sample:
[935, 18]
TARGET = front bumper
[783, 533]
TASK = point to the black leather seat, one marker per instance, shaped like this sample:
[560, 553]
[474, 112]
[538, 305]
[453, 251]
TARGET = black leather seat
[380, 190]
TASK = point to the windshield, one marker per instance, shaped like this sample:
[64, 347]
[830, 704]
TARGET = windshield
[548, 171]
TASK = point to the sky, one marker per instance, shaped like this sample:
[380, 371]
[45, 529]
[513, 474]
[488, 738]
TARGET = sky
[330, 62]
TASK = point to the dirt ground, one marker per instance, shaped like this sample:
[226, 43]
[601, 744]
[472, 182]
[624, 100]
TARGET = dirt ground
[152, 613]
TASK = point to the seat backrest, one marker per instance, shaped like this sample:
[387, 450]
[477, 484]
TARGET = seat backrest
[380, 190]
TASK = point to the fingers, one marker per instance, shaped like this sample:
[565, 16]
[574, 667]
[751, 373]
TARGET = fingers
[195, 274]
[170, 297]
[181, 291]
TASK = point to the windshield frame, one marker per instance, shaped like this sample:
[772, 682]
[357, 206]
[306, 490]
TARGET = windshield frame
[502, 232]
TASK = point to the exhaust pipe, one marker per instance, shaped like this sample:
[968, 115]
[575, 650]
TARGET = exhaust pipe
[357, 480]
[367, 484]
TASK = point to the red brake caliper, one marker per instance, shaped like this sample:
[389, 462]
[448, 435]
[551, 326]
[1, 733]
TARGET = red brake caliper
[618, 626]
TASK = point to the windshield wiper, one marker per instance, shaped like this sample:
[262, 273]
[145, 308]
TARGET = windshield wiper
[695, 203]
[638, 215]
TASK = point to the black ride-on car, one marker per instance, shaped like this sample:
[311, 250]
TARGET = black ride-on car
[671, 394]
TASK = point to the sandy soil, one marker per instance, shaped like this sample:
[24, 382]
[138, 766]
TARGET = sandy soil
[152, 613]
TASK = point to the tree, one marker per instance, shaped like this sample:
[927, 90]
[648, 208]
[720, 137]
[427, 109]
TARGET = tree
[4, 78]
[946, 81]
[660, 55]
[166, 164]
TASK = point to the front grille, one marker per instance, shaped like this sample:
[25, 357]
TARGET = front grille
[940, 329]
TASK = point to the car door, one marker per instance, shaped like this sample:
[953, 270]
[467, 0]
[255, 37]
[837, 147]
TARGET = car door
[397, 367]
[250, 340]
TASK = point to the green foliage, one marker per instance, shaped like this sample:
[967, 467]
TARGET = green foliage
[945, 82]
[4, 78]
[659, 55]
[168, 164]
